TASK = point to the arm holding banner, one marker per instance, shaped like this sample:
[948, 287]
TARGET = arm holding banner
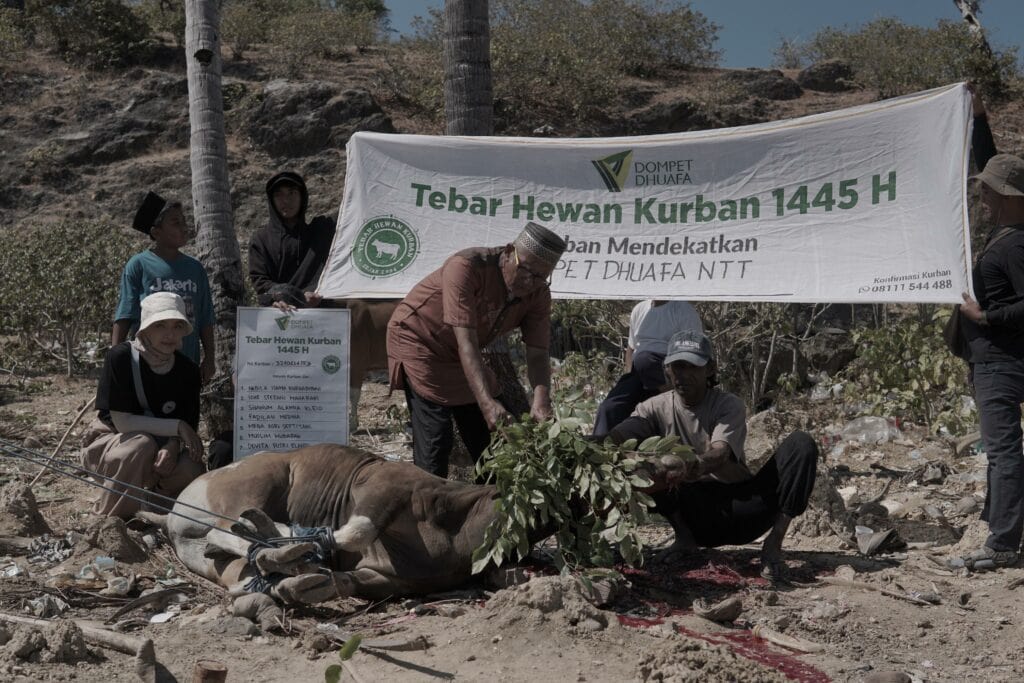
[473, 366]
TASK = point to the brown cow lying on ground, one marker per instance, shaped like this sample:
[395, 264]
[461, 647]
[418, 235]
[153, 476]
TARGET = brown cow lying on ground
[397, 530]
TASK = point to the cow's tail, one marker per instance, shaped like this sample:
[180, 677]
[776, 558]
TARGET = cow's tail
[153, 518]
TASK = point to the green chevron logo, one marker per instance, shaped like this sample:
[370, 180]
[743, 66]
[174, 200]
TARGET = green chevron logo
[614, 169]
[282, 322]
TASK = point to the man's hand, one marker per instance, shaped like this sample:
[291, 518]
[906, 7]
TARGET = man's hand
[191, 441]
[494, 414]
[972, 310]
[167, 458]
[977, 105]
[313, 299]
[689, 472]
[208, 368]
[541, 409]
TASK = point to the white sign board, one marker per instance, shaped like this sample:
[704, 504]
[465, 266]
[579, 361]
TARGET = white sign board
[291, 386]
[865, 204]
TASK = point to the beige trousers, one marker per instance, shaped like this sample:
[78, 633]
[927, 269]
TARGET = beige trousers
[128, 458]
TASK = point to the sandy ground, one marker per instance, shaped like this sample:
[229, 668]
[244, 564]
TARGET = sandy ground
[896, 611]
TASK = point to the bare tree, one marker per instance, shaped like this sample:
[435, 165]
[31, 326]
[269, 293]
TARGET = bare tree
[216, 242]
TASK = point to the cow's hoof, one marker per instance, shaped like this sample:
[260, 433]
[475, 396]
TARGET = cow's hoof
[259, 607]
[308, 589]
[284, 560]
[262, 523]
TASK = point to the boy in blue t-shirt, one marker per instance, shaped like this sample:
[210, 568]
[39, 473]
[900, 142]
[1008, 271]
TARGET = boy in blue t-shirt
[163, 268]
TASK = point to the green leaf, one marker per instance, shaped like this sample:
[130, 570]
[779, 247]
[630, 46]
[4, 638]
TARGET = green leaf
[332, 674]
[350, 647]
[555, 430]
[649, 443]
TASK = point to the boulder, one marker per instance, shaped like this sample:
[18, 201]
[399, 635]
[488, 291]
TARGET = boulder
[831, 75]
[770, 84]
[668, 117]
[297, 120]
[831, 350]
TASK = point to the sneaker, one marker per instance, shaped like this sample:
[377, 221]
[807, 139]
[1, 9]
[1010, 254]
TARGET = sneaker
[985, 559]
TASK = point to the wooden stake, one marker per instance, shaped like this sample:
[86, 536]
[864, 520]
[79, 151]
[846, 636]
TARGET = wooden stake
[209, 671]
[63, 439]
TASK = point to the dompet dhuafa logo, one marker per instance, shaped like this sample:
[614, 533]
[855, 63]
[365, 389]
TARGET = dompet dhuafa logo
[384, 246]
[614, 169]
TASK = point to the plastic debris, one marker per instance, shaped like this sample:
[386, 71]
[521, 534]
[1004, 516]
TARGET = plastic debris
[12, 570]
[46, 606]
[162, 617]
[870, 429]
[50, 550]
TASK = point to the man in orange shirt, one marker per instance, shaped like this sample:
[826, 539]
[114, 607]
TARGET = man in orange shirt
[436, 333]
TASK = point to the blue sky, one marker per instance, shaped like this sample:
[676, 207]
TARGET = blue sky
[751, 29]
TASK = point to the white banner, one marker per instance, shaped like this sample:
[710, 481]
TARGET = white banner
[291, 383]
[865, 204]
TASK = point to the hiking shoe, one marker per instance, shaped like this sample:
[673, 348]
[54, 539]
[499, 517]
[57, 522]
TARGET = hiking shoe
[985, 559]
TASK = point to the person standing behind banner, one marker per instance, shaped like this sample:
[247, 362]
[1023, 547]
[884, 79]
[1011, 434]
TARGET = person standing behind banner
[994, 329]
[651, 324]
[287, 255]
[164, 268]
[436, 334]
[148, 411]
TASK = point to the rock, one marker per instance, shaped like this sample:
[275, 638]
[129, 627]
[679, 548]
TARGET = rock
[111, 536]
[770, 84]
[65, 643]
[831, 75]
[668, 117]
[24, 644]
[302, 119]
[830, 351]
[826, 514]
[113, 139]
[19, 514]
[887, 677]
[233, 626]
[725, 611]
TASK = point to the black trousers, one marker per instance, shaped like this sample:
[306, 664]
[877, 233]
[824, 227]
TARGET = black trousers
[733, 514]
[643, 381]
[433, 434]
[999, 391]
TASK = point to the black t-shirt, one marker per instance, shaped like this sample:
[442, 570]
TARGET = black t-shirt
[174, 395]
[999, 286]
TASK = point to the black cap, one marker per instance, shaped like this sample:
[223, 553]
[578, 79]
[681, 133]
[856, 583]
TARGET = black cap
[147, 214]
[289, 177]
[541, 242]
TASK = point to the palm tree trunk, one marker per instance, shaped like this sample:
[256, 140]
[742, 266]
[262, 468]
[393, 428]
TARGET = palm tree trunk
[216, 242]
[468, 95]
[469, 110]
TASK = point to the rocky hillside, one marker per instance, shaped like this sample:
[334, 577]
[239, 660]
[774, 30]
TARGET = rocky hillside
[79, 144]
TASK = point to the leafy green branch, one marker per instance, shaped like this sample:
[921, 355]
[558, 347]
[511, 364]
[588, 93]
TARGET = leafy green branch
[552, 479]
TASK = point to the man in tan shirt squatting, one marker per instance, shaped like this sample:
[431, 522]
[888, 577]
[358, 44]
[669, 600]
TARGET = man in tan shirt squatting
[436, 333]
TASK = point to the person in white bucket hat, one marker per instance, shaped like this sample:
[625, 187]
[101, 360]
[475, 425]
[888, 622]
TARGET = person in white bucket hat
[148, 411]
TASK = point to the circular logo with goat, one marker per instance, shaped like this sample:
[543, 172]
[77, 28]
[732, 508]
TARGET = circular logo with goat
[384, 246]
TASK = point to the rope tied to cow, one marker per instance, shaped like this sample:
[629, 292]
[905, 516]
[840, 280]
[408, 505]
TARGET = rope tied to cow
[321, 537]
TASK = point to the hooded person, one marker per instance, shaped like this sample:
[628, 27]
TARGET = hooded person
[147, 400]
[287, 256]
[436, 334]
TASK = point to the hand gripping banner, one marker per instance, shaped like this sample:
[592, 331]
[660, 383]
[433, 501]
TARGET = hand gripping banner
[866, 204]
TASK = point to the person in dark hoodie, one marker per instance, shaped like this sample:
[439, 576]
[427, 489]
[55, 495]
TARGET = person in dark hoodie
[287, 256]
